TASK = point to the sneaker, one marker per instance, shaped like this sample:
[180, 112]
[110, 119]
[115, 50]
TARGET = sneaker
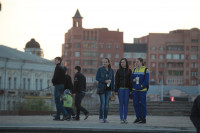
[106, 121]
[137, 120]
[101, 120]
[76, 119]
[125, 121]
[66, 117]
[143, 121]
[121, 121]
[86, 116]
[56, 119]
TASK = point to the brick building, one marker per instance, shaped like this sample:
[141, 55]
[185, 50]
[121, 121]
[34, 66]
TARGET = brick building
[173, 58]
[87, 48]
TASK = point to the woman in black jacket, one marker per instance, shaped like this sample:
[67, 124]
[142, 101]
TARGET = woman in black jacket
[122, 88]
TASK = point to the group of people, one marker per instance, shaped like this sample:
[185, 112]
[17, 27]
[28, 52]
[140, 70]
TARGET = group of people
[124, 83]
[64, 89]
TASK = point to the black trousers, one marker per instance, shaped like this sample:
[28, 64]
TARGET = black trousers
[70, 111]
[78, 99]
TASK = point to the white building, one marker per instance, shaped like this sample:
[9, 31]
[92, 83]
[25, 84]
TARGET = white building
[22, 74]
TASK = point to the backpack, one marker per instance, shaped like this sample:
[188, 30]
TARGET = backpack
[144, 77]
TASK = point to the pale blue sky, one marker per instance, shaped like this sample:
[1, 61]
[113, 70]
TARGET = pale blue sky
[48, 20]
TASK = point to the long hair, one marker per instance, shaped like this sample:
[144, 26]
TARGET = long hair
[109, 65]
[141, 60]
[127, 65]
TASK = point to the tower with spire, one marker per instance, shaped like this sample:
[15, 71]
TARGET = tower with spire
[77, 20]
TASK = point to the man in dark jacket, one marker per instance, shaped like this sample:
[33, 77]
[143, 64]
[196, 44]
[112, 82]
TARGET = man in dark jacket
[79, 90]
[58, 81]
[195, 114]
[68, 81]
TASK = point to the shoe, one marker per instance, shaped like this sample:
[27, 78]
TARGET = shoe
[106, 121]
[76, 119]
[86, 116]
[143, 121]
[101, 120]
[137, 120]
[125, 121]
[66, 117]
[56, 119]
[121, 121]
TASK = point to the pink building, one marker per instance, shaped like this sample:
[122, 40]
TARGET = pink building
[87, 48]
[173, 58]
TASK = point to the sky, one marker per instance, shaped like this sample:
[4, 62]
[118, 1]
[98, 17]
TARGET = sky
[48, 20]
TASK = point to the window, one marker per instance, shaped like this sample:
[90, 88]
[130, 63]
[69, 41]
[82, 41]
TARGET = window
[161, 56]
[89, 62]
[77, 45]
[36, 84]
[194, 65]
[109, 46]
[153, 64]
[77, 54]
[76, 62]
[29, 83]
[153, 48]
[41, 84]
[175, 48]
[161, 48]
[127, 55]
[15, 83]
[116, 64]
[101, 55]
[116, 46]
[116, 55]
[153, 56]
[194, 57]
[0, 83]
[89, 54]
[161, 65]
[108, 55]
[194, 41]
[195, 74]
[9, 83]
[101, 46]
[90, 79]
[194, 48]
[24, 83]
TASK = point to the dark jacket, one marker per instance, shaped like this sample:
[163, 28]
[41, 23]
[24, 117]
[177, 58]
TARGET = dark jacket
[101, 77]
[79, 83]
[68, 82]
[59, 75]
[122, 78]
[195, 113]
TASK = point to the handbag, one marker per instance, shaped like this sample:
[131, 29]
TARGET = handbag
[100, 90]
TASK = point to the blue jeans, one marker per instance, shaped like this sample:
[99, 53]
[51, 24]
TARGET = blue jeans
[139, 100]
[123, 96]
[104, 104]
[57, 94]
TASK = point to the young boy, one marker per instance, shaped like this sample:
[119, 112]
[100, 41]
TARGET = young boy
[67, 103]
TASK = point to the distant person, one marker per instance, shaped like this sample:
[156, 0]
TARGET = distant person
[140, 82]
[195, 114]
[68, 81]
[58, 81]
[105, 78]
[67, 103]
[122, 88]
[79, 90]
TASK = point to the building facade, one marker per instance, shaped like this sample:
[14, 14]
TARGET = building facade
[87, 48]
[173, 58]
[22, 75]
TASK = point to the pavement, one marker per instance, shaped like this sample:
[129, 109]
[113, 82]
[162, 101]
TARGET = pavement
[155, 124]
